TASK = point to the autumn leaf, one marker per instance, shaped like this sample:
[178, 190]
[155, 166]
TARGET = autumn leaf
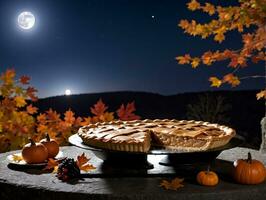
[215, 81]
[20, 101]
[195, 62]
[31, 109]
[52, 164]
[41, 118]
[219, 37]
[193, 5]
[69, 117]
[231, 79]
[207, 58]
[86, 121]
[99, 108]
[8, 76]
[173, 184]
[127, 112]
[183, 59]
[82, 162]
[17, 158]
[24, 80]
[209, 8]
[261, 94]
[31, 93]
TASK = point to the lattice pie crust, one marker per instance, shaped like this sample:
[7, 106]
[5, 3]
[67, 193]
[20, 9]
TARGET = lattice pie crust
[139, 135]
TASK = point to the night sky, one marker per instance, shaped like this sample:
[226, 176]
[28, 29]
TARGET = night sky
[91, 46]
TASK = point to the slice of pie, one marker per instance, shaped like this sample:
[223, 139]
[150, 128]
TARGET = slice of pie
[139, 135]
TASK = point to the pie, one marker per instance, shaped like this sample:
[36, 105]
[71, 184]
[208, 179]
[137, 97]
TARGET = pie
[140, 135]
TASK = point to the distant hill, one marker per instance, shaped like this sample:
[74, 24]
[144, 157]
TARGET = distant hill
[245, 113]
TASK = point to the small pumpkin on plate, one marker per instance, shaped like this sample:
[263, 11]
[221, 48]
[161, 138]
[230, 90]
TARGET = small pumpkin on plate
[249, 171]
[51, 145]
[207, 178]
[34, 153]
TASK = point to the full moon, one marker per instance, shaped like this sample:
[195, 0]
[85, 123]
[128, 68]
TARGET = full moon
[26, 20]
[68, 92]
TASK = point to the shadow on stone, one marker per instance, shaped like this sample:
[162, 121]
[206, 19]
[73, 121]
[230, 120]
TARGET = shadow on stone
[36, 170]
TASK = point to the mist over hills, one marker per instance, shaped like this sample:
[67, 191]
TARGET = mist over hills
[244, 114]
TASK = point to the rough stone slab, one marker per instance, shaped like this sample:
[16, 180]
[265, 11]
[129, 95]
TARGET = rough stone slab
[34, 184]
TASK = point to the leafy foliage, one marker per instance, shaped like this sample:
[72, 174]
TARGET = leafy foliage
[19, 119]
[240, 18]
[209, 108]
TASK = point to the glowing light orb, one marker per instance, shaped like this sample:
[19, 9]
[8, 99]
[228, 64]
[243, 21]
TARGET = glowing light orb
[26, 20]
[68, 92]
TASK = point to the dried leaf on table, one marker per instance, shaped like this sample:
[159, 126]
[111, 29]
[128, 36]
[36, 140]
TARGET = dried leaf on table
[82, 162]
[17, 157]
[52, 164]
[173, 184]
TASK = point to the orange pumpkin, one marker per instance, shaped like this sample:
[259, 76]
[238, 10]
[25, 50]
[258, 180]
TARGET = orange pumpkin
[34, 153]
[207, 178]
[51, 145]
[249, 171]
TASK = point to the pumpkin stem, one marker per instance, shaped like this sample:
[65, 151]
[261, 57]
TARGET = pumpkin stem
[32, 142]
[249, 158]
[208, 169]
[47, 137]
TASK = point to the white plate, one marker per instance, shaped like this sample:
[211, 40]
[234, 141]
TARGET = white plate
[11, 160]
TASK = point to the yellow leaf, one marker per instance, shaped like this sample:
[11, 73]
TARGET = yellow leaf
[172, 185]
[215, 81]
[195, 62]
[17, 157]
[20, 101]
[261, 94]
[193, 5]
[209, 8]
[219, 37]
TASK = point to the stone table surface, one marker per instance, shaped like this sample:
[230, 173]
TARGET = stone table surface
[17, 183]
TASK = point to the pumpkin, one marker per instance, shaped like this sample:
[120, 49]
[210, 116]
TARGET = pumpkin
[51, 145]
[34, 153]
[207, 178]
[249, 171]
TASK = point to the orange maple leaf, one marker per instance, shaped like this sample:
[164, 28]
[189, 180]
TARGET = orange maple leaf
[183, 59]
[82, 162]
[209, 8]
[41, 118]
[207, 58]
[215, 81]
[173, 184]
[8, 76]
[261, 94]
[126, 113]
[231, 79]
[193, 5]
[86, 121]
[69, 117]
[24, 80]
[99, 108]
[52, 164]
[52, 115]
[31, 93]
[31, 109]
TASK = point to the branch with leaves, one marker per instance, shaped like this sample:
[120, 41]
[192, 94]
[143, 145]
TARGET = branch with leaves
[240, 18]
[19, 119]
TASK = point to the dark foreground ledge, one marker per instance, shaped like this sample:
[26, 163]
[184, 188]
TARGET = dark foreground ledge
[35, 184]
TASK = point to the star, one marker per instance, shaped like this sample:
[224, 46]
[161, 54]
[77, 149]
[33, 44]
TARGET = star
[152, 16]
